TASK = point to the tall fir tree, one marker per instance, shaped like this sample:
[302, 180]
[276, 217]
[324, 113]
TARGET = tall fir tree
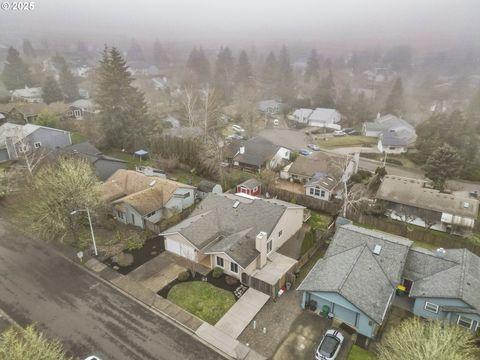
[395, 103]
[28, 50]
[285, 76]
[16, 74]
[123, 109]
[443, 164]
[51, 92]
[312, 70]
[160, 56]
[198, 63]
[68, 84]
[223, 75]
[135, 52]
[270, 69]
[325, 93]
[244, 69]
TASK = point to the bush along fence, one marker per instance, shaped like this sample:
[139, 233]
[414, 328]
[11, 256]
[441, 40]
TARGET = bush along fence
[329, 207]
[414, 233]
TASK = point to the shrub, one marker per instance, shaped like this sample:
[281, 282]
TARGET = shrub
[394, 162]
[217, 272]
[380, 171]
[357, 178]
[183, 276]
[134, 242]
[365, 174]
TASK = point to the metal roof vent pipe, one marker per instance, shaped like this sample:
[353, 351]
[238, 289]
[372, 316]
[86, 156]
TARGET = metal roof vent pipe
[440, 252]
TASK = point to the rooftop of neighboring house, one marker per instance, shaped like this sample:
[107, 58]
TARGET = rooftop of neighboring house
[413, 192]
[322, 114]
[364, 266]
[319, 162]
[399, 136]
[28, 92]
[451, 273]
[184, 132]
[257, 151]
[206, 186]
[230, 223]
[323, 180]
[83, 104]
[124, 183]
[32, 109]
[264, 105]
[8, 130]
[250, 183]
[387, 122]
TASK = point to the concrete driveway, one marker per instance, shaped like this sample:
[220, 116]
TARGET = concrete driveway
[304, 337]
[158, 272]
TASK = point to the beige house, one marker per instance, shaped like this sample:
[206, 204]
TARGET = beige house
[241, 235]
[143, 200]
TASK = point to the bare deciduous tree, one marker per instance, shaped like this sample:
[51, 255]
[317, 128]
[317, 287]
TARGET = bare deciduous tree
[189, 101]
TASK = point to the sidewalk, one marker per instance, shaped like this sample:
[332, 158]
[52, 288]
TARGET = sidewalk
[213, 336]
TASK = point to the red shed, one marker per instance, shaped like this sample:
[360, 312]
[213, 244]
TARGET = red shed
[251, 187]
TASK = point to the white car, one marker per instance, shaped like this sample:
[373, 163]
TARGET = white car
[237, 128]
[314, 147]
[275, 122]
[330, 345]
[339, 133]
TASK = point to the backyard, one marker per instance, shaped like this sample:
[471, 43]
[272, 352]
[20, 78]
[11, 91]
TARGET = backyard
[357, 353]
[347, 141]
[202, 299]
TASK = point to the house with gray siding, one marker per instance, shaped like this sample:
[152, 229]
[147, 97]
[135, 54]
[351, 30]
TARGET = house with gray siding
[15, 139]
[144, 201]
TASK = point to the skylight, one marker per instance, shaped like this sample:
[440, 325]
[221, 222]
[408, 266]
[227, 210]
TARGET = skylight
[377, 249]
[235, 204]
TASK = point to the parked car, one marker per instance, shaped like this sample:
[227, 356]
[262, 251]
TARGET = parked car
[339, 133]
[237, 128]
[276, 122]
[314, 147]
[330, 345]
[305, 152]
[234, 137]
[351, 131]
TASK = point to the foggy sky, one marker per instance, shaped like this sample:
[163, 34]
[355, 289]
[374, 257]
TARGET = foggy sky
[350, 22]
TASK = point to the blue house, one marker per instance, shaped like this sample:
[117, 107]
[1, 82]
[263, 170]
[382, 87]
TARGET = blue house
[356, 280]
[445, 285]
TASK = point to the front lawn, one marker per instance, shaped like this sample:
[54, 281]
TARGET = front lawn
[202, 299]
[347, 141]
[357, 353]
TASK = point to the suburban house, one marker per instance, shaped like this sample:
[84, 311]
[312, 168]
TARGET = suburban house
[144, 201]
[256, 154]
[206, 187]
[356, 280]
[15, 139]
[30, 95]
[81, 109]
[251, 187]
[241, 235]
[26, 113]
[416, 202]
[319, 117]
[360, 276]
[270, 107]
[321, 173]
[104, 166]
[394, 134]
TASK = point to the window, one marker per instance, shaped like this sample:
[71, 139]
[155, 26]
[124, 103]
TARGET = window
[431, 307]
[77, 113]
[37, 145]
[269, 246]
[280, 233]
[151, 214]
[322, 193]
[220, 262]
[317, 191]
[186, 195]
[133, 219]
[312, 191]
[233, 267]
[465, 322]
[120, 214]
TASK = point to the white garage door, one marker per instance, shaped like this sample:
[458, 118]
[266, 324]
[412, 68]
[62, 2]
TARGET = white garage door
[179, 249]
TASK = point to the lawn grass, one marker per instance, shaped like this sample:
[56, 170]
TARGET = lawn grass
[186, 177]
[319, 221]
[202, 299]
[77, 137]
[424, 245]
[357, 353]
[131, 160]
[308, 242]
[347, 141]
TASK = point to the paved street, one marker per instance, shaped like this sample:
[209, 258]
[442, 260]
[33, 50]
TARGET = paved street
[89, 317]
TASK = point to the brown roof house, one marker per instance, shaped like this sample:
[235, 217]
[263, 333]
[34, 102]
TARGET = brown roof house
[143, 200]
[321, 173]
[416, 202]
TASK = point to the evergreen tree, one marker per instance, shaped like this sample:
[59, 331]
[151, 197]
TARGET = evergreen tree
[443, 164]
[28, 50]
[68, 84]
[270, 69]
[244, 70]
[285, 80]
[223, 76]
[312, 70]
[395, 103]
[123, 110]
[135, 52]
[198, 63]
[160, 57]
[51, 92]
[16, 74]
[324, 95]
[361, 110]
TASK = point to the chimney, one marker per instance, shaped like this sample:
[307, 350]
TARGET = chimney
[261, 246]
[440, 252]
[378, 115]
[242, 149]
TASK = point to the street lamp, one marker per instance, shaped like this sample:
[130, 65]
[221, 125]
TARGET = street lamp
[91, 227]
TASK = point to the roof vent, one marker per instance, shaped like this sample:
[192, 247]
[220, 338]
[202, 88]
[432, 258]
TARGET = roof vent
[466, 205]
[377, 249]
[152, 183]
[235, 204]
[440, 252]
